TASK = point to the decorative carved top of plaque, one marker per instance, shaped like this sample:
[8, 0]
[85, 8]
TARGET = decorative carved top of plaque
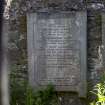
[57, 50]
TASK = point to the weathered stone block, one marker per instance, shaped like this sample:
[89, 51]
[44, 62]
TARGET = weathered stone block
[57, 50]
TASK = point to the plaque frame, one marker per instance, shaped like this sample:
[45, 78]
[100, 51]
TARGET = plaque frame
[32, 68]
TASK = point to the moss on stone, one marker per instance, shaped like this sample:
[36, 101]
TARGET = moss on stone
[23, 24]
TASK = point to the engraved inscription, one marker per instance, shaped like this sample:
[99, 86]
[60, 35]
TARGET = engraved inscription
[58, 52]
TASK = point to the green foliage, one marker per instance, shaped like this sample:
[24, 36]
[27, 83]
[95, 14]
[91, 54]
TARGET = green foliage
[18, 84]
[45, 96]
[28, 96]
[17, 93]
[99, 91]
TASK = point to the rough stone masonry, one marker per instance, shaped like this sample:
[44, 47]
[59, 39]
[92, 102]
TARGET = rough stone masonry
[16, 15]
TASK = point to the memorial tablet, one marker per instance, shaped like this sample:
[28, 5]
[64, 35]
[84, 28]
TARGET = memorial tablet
[57, 50]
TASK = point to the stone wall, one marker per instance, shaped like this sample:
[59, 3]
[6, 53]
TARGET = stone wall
[18, 31]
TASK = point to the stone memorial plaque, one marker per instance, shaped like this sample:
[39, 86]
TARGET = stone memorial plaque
[57, 50]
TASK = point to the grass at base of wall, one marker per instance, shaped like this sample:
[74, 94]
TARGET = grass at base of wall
[99, 92]
[25, 95]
